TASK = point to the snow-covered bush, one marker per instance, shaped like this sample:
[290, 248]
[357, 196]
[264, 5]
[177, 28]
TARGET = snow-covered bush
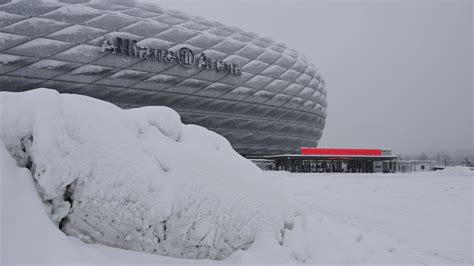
[139, 179]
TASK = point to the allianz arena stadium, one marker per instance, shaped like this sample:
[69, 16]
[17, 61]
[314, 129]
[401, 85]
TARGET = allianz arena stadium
[263, 97]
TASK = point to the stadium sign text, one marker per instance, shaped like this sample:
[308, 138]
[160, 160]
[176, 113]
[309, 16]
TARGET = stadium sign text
[184, 57]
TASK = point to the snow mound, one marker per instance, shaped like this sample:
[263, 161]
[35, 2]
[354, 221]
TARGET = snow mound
[457, 171]
[139, 179]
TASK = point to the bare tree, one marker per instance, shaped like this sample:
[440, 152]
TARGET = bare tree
[446, 159]
[423, 157]
[467, 162]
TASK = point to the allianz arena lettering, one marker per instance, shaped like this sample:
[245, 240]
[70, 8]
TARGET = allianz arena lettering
[261, 95]
[185, 56]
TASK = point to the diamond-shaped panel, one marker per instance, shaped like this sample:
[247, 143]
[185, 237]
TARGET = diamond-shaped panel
[195, 26]
[239, 93]
[11, 62]
[137, 12]
[29, 8]
[168, 19]
[73, 14]
[260, 96]
[145, 28]
[255, 67]
[228, 46]
[250, 51]
[87, 73]
[258, 82]
[292, 89]
[46, 68]
[215, 89]
[14, 83]
[35, 27]
[8, 18]
[40, 47]
[82, 53]
[77, 33]
[109, 22]
[124, 78]
[8, 40]
[159, 82]
[189, 86]
[176, 35]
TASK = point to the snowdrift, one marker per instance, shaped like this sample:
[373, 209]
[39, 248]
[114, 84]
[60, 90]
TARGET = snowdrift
[139, 179]
[456, 171]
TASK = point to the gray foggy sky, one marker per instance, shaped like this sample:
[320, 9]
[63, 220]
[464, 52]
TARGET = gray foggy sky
[398, 74]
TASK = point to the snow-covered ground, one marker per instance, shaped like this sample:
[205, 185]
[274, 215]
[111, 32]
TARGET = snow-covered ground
[130, 166]
[422, 218]
[378, 219]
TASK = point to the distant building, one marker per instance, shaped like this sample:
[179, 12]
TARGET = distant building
[264, 164]
[329, 160]
[415, 165]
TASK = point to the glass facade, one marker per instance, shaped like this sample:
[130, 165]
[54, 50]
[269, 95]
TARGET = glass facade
[263, 97]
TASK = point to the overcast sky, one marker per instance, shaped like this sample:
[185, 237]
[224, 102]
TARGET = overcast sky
[398, 74]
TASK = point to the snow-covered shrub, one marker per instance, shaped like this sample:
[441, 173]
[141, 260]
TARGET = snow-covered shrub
[139, 179]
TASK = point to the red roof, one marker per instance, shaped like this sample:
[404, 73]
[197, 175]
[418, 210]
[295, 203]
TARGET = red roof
[349, 152]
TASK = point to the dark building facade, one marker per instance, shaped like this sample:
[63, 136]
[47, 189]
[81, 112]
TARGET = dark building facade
[262, 96]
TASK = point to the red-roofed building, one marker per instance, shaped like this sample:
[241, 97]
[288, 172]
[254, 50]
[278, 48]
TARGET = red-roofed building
[336, 160]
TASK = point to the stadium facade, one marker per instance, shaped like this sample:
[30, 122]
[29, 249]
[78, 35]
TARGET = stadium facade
[262, 96]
